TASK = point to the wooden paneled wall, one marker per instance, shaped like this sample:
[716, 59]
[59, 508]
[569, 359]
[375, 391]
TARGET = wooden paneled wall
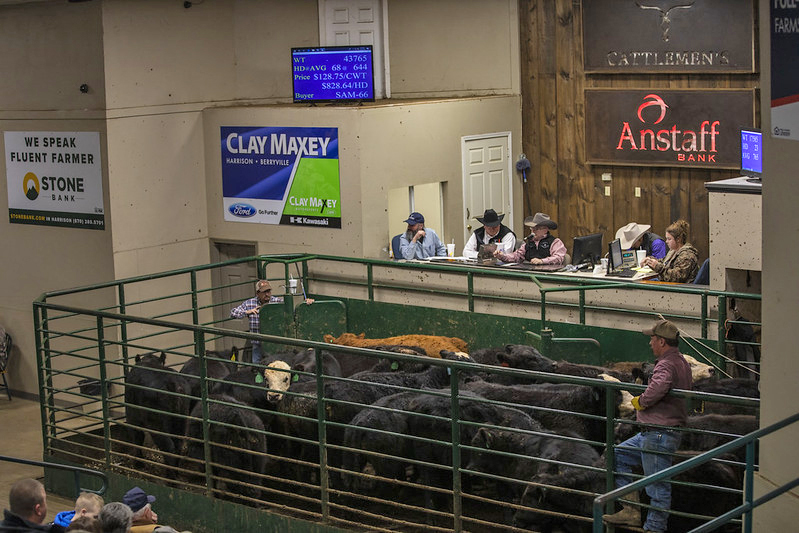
[560, 182]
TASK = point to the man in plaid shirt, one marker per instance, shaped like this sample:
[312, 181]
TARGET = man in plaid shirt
[250, 309]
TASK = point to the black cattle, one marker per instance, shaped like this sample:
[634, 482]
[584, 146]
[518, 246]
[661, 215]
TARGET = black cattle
[237, 440]
[704, 500]
[218, 365]
[740, 387]
[305, 363]
[519, 356]
[433, 426]
[352, 364]
[562, 405]
[150, 385]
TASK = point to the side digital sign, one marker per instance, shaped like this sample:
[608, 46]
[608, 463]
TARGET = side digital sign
[333, 74]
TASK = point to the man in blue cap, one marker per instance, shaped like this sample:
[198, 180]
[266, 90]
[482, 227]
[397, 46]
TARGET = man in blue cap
[419, 242]
[145, 520]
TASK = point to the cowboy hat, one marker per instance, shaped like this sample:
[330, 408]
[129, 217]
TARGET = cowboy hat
[540, 219]
[629, 234]
[490, 219]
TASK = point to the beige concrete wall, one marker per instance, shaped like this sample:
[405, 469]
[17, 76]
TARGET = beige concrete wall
[48, 52]
[780, 371]
[453, 48]
[381, 146]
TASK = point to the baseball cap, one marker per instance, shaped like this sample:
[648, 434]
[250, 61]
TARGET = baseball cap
[136, 498]
[663, 328]
[263, 285]
[415, 218]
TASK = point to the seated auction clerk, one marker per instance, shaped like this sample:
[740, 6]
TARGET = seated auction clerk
[419, 242]
[539, 248]
[681, 263]
[492, 231]
[637, 236]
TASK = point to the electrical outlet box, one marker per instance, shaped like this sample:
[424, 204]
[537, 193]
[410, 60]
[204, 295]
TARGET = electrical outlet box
[607, 190]
[606, 176]
[638, 192]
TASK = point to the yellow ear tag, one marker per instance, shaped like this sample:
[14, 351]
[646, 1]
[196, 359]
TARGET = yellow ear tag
[259, 378]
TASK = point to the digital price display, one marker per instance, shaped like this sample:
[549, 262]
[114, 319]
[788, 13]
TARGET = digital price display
[332, 74]
[751, 152]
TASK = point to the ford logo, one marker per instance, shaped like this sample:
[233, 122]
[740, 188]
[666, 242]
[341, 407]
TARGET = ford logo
[242, 210]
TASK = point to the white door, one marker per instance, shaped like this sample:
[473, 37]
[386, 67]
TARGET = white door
[486, 178]
[356, 22]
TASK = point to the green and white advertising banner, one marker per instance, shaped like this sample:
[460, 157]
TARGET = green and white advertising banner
[55, 178]
[281, 176]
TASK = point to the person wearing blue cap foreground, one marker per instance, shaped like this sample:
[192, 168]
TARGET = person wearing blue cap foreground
[145, 520]
[419, 242]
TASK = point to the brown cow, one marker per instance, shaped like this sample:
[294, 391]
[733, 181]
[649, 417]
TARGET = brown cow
[432, 344]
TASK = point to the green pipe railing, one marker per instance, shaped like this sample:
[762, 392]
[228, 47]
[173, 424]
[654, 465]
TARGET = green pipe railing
[77, 471]
[605, 500]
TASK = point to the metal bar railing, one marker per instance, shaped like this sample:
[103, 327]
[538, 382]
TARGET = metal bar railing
[746, 508]
[76, 471]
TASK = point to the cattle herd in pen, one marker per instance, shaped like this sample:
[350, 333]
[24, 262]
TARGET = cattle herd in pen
[535, 449]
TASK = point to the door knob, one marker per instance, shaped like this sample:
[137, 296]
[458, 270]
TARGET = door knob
[469, 227]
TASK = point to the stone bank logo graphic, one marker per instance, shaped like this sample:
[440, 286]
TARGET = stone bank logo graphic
[242, 210]
[31, 186]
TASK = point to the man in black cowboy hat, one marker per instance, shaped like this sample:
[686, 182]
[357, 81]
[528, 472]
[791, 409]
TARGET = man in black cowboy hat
[492, 231]
[539, 248]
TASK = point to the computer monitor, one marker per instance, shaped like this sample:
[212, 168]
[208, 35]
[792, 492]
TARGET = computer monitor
[751, 153]
[615, 254]
[587, 249]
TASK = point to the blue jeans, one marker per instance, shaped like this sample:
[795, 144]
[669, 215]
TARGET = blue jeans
[665, 442]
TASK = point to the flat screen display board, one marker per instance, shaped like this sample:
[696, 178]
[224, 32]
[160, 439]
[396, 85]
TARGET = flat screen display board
[751, 153]
[333, 74]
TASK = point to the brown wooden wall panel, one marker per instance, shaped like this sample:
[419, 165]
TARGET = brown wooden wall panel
[553, 128]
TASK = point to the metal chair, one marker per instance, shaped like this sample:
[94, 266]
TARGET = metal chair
[395, 247]
[5, 350]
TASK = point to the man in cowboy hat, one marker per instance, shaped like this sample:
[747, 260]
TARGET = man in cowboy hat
[492, 231]
[539, 248]
[635, 235]
[419, 242]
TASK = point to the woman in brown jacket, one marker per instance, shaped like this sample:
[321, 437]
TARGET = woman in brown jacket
[681, 263]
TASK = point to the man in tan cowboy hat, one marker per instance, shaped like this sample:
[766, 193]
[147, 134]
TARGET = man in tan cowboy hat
[492, 231]
[539, 248]
[635, 235]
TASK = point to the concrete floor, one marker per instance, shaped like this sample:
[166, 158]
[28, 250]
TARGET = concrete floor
[21, 437]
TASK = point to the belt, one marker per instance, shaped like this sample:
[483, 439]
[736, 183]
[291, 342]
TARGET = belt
[660, 430]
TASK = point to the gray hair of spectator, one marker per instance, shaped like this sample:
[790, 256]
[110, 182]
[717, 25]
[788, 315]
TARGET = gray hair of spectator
[24, 495]
[116, 518]
[137, 515]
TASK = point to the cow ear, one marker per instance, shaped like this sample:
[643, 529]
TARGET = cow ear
[488, 437]
[163, 358]
[138, 357]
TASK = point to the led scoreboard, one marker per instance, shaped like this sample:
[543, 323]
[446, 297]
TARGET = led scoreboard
[333, 74]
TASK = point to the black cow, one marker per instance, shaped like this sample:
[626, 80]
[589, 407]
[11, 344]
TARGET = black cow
[519, 356]
[740, 387]
[560, 405]
[218, 365]
[237, 440]
[704, 500]
[150, 385]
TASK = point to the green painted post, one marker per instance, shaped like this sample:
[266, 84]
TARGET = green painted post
[195, 314]
[470, 290]
[324, 497]
[722, 331]
[703, 317]
[123, 327]
[546, 341]
[749, 487]
[457, 504]
[582, 307]
[199, 348]
[103, 391]
[370, 282]
[39, 318]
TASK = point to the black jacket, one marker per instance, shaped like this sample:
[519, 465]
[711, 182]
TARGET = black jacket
[14, 524]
